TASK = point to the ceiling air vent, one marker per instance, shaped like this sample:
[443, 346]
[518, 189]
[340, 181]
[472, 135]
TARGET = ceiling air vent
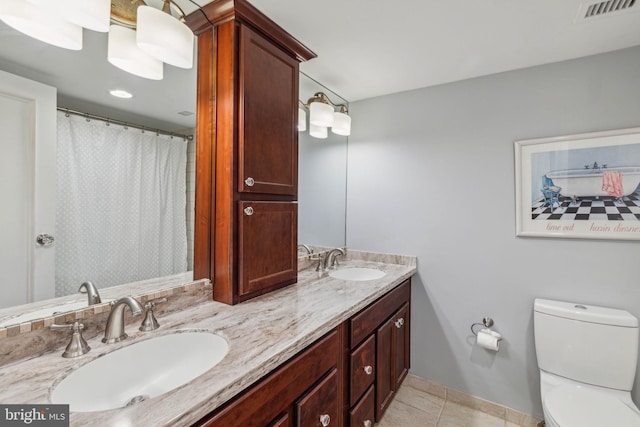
[606, 7]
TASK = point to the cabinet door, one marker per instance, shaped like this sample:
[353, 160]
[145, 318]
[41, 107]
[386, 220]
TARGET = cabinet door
[268, 233]
[392, 352]
[385, 381]
[401, 345]
[320, 406]
[267, 135]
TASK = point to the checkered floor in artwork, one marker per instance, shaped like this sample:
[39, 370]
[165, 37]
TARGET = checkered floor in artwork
[590, 208]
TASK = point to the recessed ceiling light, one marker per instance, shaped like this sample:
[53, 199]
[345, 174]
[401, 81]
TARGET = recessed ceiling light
[121, 93]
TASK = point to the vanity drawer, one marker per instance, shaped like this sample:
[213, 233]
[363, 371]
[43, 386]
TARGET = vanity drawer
[362, 368]
[362, 415]
[319, 407]
[367, 321]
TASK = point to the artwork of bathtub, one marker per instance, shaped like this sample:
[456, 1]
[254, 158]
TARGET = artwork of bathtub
[588, 182]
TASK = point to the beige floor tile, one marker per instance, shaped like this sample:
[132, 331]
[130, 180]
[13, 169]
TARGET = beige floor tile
[455, 415]
[426, 385]
[510, 424]
[400, 414]
[420, 400]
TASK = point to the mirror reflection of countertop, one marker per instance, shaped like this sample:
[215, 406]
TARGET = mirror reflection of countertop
[262, 334]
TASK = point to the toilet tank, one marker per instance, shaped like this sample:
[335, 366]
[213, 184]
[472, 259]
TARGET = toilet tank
[589, 344]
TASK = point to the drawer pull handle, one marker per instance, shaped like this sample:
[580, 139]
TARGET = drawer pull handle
[325, 420]
[249, 181]
[248, 211]
[367, 423]
[368, 370]
[399, 323]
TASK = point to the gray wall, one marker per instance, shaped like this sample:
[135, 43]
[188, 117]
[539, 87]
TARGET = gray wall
[431, 173]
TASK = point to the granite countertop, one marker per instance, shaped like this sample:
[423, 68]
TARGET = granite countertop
[262, 334]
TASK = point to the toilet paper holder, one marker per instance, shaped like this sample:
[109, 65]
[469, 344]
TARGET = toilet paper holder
[487, 322]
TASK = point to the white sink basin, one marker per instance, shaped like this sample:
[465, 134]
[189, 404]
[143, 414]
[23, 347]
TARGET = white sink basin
[140, 371]
[357, 274]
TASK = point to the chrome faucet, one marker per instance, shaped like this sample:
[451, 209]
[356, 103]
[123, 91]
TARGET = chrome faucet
[331, 260]
[91, 291]
[114, 331]
[306, 248]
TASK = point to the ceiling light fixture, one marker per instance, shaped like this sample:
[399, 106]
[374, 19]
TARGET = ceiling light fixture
[141, 37]
[323, 115]
[121, 93]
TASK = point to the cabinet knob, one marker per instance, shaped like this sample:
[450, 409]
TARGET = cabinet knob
[399, 323]
[367, 423]
[248, 211]
[368, 369]
[249, 181]
[325, 419]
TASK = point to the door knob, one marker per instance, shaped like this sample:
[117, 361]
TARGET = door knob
[44, 240]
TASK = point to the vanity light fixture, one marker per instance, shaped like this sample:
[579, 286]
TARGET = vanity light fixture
[36, 22]
[141, 37]
[323, 115]
[302, 117]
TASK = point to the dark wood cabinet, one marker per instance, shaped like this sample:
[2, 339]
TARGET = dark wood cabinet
[300, 393]
[363, 368]
[382, 328]
[268, 138]
[267, 234]
[247, 150]
[392, 354]
[363, 413]
[346, 378]
[320, 405]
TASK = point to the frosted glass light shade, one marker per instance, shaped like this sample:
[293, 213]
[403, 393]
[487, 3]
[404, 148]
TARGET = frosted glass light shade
[33, 21]
[92, 14]
[318, 131]
[124, 53]
[341, 124]
[164, 37]
[302, 120]
[320, 114]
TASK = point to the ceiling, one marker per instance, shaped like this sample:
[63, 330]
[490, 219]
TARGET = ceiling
[368, 48]
[365, 48]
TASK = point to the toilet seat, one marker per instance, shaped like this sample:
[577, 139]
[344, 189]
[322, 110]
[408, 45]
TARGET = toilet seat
[572, 406]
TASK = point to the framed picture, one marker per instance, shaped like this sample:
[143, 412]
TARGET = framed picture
[579, 186]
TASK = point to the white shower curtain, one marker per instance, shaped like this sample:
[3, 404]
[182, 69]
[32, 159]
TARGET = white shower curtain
[121, 204]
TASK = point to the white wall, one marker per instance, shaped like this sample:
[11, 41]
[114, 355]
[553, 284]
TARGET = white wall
[431, 173]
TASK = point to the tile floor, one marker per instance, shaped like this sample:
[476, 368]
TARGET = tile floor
[416, 408]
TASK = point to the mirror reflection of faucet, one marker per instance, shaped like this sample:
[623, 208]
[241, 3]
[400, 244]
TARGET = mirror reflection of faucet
[93, 295]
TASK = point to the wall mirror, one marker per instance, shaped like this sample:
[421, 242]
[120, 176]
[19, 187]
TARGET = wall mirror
[83, 80]
[322, 181]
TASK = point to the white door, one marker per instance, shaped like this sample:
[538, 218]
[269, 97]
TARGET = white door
[27, 189]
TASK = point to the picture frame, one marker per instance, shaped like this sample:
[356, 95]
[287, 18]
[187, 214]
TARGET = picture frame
[579, 186]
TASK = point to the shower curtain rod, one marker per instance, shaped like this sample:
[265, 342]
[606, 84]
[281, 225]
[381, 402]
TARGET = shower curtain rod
[108, 121]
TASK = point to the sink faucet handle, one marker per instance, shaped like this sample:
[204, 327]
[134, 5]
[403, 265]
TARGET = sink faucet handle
[77, 346]
[150, 323]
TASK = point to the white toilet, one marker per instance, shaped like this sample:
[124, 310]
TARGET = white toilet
[587, 357]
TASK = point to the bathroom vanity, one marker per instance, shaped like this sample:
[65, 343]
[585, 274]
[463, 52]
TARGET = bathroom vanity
[310, 388]
[301, 351]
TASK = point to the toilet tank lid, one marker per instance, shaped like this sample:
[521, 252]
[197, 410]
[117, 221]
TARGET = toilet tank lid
[586, 313]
